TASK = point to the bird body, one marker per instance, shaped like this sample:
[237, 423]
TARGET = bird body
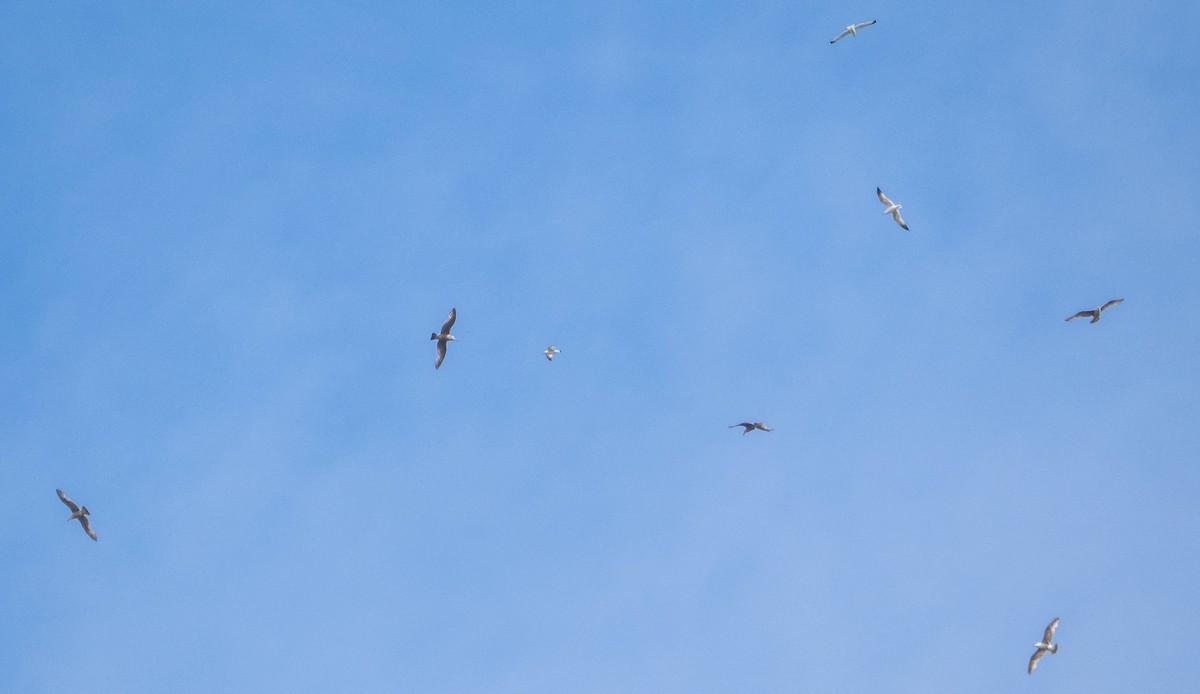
[1046, 645]
[78, 512]
[751, 426]
[1095, 313]
[550, 352]
[891, 208]
[852, 30]
[444, 337]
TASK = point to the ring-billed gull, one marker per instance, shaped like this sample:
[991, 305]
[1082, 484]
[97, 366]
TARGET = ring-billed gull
[892, 208]
[852, 30]
[1095, 313]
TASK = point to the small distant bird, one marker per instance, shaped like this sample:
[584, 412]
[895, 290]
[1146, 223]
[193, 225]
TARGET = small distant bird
[1095, 313]
[751, 426]
[892, 208]
[550, 352]
[852, 30]
[78, 512]
[443, 337]
[1044, 646]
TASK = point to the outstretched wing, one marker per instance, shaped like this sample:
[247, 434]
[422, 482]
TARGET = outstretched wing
[449, 322]
[1033, 660]
[1049, 635]
[70, 504]
[1110, 304]
[841, 36]
[87, 527]
[899, 220]
[865, 24]
[1082, 314]
[441, 350]
[883, 198]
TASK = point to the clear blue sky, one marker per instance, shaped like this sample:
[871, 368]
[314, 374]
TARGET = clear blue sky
[229, 229]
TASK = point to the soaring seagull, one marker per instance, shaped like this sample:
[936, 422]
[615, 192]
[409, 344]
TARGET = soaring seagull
[550, 352]
[81, 513]
[751, 426]
[1095, 313]
[443, 337]
[852, 30]
[1044, 646]
[892, 208]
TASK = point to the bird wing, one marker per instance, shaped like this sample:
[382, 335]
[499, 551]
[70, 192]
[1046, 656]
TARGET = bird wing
[865, 24]
[1081, 314]
[883, 198]
[1033, 660]
[449, 322]
[899, 220]
[87, 527]
[1110, 304]
[841, 36]
[441, 350]
[745, 425]
[70, 504]
[1049, 635]
[762, 427]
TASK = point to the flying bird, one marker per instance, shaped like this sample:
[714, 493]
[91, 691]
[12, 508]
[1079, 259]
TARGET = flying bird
[550, 352]
[751, 426]
[1044, 646]
[443, 337]
[892, 208]
[852, 30]
[81, 513]
[1095, 313]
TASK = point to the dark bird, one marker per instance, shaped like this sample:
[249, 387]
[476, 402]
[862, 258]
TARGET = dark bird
[1095, 313]
[1044, 646]
[751, 426]
[79, 512]
[443, 337]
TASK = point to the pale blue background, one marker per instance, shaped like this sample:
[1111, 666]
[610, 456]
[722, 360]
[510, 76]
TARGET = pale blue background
[228, 230]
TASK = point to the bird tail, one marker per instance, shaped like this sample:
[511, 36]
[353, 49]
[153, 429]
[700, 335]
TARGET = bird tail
[432, 336]
[83, 510]
[1095, 317]
[1053, 648]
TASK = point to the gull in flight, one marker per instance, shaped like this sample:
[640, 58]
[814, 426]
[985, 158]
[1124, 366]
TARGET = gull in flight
[1044, 646]
[892, 208]
[81, 513]
[443, 337]
[852, 30]
[751, 426]
[1095, 313]
[550, 352]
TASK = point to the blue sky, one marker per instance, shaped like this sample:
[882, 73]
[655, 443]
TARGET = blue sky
[229, 230]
